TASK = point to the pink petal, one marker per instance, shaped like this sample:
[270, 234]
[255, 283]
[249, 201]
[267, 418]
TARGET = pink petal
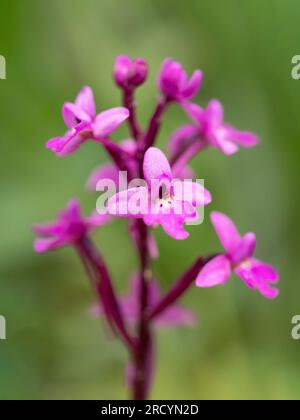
[122, 69]
[265, 271]
[253, 273]
[193, 85]
[45, 245]
[96, 219]
[195, 112]
[152, 247]
[173, 226]
[183, 208]
[192, 192]
[226, 231]
[72, 213]
[245, 249]
[156, 165]
[215, 272]
[130, 309]
[47, 229]
[130, 303]
[175, 316]
[225, 146]
[68, 144]
[85, 101]
[133, 203]
[107, 171]
[184, 172]
[74, 115]
[268, 292]
[215, 113]
[171, 77]
[243, 138]
[108, 121]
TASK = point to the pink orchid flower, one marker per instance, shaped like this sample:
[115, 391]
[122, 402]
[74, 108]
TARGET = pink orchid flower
[209, 129]
[130, 73]
[83, 123]
[238, 259]
[69, 227]
[163, 200]
[173, 82]
[174, 316]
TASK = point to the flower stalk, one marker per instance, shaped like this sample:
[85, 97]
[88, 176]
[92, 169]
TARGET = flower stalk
[167, 198]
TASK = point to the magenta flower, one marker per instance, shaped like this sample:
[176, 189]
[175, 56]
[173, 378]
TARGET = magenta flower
[173, 82]
[142, 185]
[83, 123]
[68, 229]
[163, 200]
[239, 259]
[130, 73]
[209, 129]
[174, 316]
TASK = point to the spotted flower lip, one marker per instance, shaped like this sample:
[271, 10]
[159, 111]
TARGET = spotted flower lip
[211, 130]
[129, 72]
[163, 200]
[83, 123]
[238, 258]
[173, 81]
[69, 227]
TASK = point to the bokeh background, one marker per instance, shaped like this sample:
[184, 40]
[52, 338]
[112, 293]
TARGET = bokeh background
[242, 347]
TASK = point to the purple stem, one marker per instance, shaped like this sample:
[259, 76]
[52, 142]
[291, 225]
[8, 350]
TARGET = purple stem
[104, 288]
[179, 288]
[129, 103]
[142, 354]
[154, 124]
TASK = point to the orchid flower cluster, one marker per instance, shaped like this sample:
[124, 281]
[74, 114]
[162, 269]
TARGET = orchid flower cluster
[168, 197]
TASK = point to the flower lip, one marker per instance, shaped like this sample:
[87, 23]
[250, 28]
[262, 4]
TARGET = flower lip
[162, 200]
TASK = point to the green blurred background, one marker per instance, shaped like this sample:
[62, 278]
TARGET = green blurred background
[242, 347]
